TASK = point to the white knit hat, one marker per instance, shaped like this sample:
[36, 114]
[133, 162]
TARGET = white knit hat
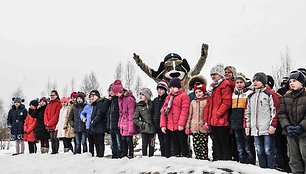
[218, 69]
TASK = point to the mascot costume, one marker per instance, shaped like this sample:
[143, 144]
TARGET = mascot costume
[174, 66]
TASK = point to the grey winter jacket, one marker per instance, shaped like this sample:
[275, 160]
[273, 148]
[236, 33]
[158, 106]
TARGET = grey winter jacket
[260, 113]
[143, 117]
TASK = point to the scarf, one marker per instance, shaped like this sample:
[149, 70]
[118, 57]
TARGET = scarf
[213, 86]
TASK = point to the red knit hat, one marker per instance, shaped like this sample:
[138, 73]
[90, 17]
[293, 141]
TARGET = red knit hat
[117, 87]
[199, 86]
[73, 95]
[65, 99]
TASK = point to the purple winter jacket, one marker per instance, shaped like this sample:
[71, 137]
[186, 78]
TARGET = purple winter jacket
[127, 103]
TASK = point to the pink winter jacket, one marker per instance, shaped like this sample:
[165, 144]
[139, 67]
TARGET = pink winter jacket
[178, 113]
[127, 105]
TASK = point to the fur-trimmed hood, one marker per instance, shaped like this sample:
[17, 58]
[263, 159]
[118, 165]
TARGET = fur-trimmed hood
[196, 78]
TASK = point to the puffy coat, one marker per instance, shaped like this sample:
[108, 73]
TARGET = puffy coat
[239, 103]
[113, 114]
[40, 130]
[69, 131]
[15, 120]
[293, 110]
[143, 117]
[178, 113]
[98, 116]
[86, 113]
[29, 128]
[126, 124]
[74, 118]
[261, 112]
[52, 114]
[158, 103]
[195, 120]
[61, 122]
[218, 105]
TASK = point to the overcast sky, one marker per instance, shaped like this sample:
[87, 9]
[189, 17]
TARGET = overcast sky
[61, 40]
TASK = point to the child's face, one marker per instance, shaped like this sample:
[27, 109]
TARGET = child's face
[295, 85]
[119, 94]
[94, 98]
[160, 92]
[17, 104]
[42, 103]
[32, 107]
[199, 93]
[228, 74]
[80, 100]
[215, 77]
[64, 104]
[257, 84]
[174, 89]
[142, 97]
[239, 84]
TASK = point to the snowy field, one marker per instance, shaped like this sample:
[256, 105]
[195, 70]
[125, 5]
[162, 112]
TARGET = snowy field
[67, 163]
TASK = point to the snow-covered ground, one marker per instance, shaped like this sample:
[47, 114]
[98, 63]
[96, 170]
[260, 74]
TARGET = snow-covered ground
[67, 163]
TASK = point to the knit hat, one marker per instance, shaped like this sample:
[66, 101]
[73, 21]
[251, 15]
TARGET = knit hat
[299, 76]
[95, 92]
[17, 100]
[199, 86]
[175, 82]
[218, 69]
[240, 76]
[232, 69]
[262, 77]
[270, 81]
[172, 56]
[44, 99]
[73, 95]
[303, 70]
[117, 87]
[163, 85]
[65, 99]
[146, 92]
[82, 95]
[34, 103]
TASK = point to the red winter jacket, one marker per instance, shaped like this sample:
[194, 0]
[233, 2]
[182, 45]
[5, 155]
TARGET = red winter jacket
[51, 115]
[178, 113]
[29, 127]
[218, 105]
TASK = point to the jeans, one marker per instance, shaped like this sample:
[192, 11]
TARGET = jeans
[245, 146]
[80, 138]
[116, 142]
[265, 152]
[297, 153]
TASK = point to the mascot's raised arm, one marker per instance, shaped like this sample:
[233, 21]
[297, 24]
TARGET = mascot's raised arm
[174, 66]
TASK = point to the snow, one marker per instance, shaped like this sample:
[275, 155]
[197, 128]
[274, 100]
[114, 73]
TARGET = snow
[68, 163]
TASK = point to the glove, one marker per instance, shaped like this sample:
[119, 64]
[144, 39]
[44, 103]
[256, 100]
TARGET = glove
[206, 127]
[290, 131]
[298, 130]
[187, 131]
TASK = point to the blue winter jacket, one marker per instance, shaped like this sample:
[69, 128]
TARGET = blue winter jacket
[86, 113]
[15, 119]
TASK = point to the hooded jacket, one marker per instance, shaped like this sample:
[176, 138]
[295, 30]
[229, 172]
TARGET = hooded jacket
[143, 117]
[29, 128]
[51, 115]
[16, 118]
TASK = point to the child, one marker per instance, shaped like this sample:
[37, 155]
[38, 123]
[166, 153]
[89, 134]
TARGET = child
[293, 120]
[216, 112]
[15, 122]
[261, 120]
[127, 127]
[196, 124]
[245, 145]
[158, 102]
[78, 125]
[143, 119]
[173, 120]
[85, 116]
[61, 122]
[29, 128]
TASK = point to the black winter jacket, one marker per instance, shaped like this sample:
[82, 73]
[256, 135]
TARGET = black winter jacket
[158, 103]
[113, 114]
[41, 132]
[16, 118]
[74, 118]
[99, 115]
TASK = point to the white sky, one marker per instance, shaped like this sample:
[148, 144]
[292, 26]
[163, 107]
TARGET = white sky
[62, 40]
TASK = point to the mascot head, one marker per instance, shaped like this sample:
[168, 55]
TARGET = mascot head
[173, 66]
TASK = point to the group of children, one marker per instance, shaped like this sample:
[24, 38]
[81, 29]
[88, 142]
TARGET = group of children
[238, 115]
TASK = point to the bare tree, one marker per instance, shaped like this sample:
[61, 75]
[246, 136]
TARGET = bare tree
[129, 75]
[119, 71]
[65, 91]
[283, 69]
[90, 82]
[4, 132]
[72, 84]
[137, 87]
[48, 85]
[18, 93]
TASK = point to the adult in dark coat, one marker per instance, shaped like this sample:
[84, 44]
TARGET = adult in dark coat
[15, 121]
[98, 122]
[41, 132]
